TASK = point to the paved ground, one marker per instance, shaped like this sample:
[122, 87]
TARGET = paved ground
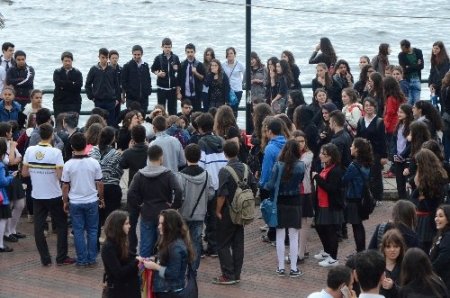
[21, 274]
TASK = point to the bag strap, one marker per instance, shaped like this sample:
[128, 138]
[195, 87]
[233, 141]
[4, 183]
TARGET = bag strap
[200, 196]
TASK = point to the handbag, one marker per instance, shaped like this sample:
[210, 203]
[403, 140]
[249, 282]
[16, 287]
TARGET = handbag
[232, 99]
[268, 206]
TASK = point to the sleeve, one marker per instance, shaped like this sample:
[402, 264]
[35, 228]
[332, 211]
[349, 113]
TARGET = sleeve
[89, 82]
[350, 174]
[98, 171]
[381, 131]
[181, 157]
[355, 115]
[171, 271]
[390, 115]
[266, 168]
[113, 265]
[134, 196]
[333, 183]
[11, 78]
[4, 180]
[156, 65]
[58, 142]
[59, 159]
[224, 178]
[442, 262]
[65, 173]
[315, 58]
[283, 90]
[178, 192]
[95, 153]
[270, 185]
[124, 164]
[59, 84]
[373, 241]
[125, 77]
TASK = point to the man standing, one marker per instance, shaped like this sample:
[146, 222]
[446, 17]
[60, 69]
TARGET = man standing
[341, 138]
[6, 59]
[190, 79]
[102, 86]
[136, 81]
[68, 82]
[114, 62]
[230, 237]
[82, 183]
[411, 60]
[21, 77]
[44, 165]
[153, 189]
[165, 67]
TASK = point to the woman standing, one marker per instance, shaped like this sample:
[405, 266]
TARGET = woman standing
[235, 72]
[440, 65]
[330, 204]
[271, 92]
[381, 60]
[258, 77]
[289, 58]
[371, 127]
[352, 109]
[375, 86]
[283, 83]
[393, 248]
[424, 111]
[124, 136]
[174, 253]
[121, 267]
[218, 84]
[295, 99]
[361, 85]
[291, 171]
[440, 251]
[327, 55]
[430, 180]
[354, 178]
[324, 80]
[5, 210]
[305, 194]
[208, 56]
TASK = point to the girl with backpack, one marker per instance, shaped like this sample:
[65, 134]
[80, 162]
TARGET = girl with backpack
[289, 173]
[356, 175]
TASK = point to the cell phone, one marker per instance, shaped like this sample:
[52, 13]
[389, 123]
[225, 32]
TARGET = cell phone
[346, 292]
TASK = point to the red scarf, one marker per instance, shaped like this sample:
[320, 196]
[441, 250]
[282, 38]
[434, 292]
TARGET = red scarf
[322, 195]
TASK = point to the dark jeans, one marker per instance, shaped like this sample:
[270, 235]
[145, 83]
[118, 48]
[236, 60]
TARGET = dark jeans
[170, 97]
[110, 106]
[211, 226]
[329, 239]
[401, 180]
[113, 197]
[28, 198]
[359, 233]
[41, 210]
[230, 240]
[142, 101]
[376, 179]
[132, 236]
[59, 108]
[195, 230]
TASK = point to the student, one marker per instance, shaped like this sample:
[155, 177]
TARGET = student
[230, 237]
[35, 104]
[44, 116]
[21, 77]
[393, 248]
[102, 85]
[166, 67]
[121, 266]
[370, 272]
[218, 85]
[197, 191]
[114, 63]
[440, 65]
[70, 123]
[134, 159]
[82, 183]
[208, 56]
[327, 55]
[376, 91]
[411, 60]
[9, 108]
[7, 58]
[153, 189]
[439, 253]
[381, 61]
[289, 58]
[343, 76]
[324, 80]
[190, 79]
[5, 209]
[339, 280]
[397, 73]
[341, 138]
[131, 119]
[44, 164]
[136, 80]
[68, 82]
[352, 109]
[235, 72]
[173, 150]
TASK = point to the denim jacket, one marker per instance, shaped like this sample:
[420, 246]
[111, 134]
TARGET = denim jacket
[171, 277]
[5, 180]
[353, 180]
[290, 187]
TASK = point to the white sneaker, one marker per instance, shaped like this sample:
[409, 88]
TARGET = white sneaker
[329, 262]
[321, 256]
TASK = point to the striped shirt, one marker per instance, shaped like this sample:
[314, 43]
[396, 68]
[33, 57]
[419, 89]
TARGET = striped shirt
[110, 164]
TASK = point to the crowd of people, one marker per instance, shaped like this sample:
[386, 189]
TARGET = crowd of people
[186, 169]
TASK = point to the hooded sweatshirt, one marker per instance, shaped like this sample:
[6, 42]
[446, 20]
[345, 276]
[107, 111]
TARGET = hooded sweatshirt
[153, 189]
[271, 153]
[192, 180]
[212, 157]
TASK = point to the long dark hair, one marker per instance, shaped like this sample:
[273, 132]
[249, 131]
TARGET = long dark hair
[416, 269]
[327, 49]
[393, 237]
[3, 147]
[328, 80]
[430, 172]
[260, 112]
[446, 210]
[392, 88]
[342, 61]
[219, 71]
[287, 73]
[383, 52]
[377, 90]
[407, 109]
[332, 151]
[173, 228]
[106, 138]
[365, 155]
[363, 75]
[430, 113]
[440, 58]
[114, 231]
[290, 155]
[404, 213]
[419, 134]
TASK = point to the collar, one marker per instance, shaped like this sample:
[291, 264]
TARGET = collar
[80, 156]
[233, 160]
[44, 144]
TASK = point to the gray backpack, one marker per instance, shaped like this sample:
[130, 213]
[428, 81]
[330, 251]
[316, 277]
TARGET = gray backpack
[242, 209]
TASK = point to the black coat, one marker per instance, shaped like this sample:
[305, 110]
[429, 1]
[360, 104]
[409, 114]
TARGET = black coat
[121, 275]
[67, 86]
[408, 68]
[333, 186]
[102, 84]
[167, 65]
[197, 82]
[440, 257]
[343, 141]
[375, 134]
[136, 81]
[24, 77]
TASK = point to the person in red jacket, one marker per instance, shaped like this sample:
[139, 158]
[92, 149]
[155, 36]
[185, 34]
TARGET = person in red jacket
[394, 98]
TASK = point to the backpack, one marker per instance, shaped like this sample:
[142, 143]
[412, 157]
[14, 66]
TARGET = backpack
[242, 209]
[367, 205]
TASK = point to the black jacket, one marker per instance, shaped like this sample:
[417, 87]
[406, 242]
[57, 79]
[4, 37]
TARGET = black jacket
[136, 81]
[440, 257]
[437, 73]
[162, 63]
[102, 84]
[317, 58]
[343, 141]
[22, 80]
[134, 158]
[333, 186]
[375, 134]
[197, 82]
[121, 275]
[408, 68]
[67, 86]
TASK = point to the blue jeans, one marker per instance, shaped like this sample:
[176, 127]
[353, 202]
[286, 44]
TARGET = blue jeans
[149, 235]
[195, 230]
[110, 106]
[85, 221]
[414, 90]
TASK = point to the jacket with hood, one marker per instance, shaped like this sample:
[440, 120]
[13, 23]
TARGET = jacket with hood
[192, 180]
[212, 157]
[153, 189]
[172, 151]
[23, 81]
[271, 153]
[102, 84]
[7, 115]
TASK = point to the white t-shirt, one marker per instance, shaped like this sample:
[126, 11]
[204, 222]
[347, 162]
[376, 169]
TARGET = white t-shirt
[82, 174]
[237, 74]
[322, 294]
[42, 161]
[6, 156]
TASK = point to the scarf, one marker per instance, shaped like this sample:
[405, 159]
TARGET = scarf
[322, 195]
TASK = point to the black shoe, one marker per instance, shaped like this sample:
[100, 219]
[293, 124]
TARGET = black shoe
[19, 235]
[10, 238]
[6, 249]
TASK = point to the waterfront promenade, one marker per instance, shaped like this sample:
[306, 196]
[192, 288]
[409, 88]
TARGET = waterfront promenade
[22, 276]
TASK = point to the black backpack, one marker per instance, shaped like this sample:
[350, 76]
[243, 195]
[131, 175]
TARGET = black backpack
[367, 204]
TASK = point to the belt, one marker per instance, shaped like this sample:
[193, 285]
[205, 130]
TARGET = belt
[422, 213]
